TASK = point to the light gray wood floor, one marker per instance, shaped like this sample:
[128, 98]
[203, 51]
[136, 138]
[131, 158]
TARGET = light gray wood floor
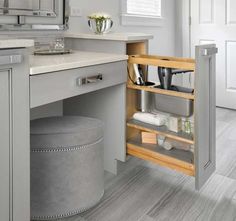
[147, 192]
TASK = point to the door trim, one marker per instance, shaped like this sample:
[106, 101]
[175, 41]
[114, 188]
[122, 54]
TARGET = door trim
[186, 28]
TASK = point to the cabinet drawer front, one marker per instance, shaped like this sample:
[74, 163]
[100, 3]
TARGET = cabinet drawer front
[51, 87]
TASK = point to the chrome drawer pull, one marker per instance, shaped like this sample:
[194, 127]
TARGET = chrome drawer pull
[89, 80]
[209, 51]
[11, 59]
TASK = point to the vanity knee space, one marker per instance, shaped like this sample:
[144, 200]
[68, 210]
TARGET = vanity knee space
[67, 172]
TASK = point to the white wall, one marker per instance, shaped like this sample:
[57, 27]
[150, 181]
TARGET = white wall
[164, 43]
[182, 40]
[164, 37]
[179, 33]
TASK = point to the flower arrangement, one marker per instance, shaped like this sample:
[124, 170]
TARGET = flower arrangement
[100, 23]
[99, 16]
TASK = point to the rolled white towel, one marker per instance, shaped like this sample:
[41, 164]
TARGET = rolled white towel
[154, 119]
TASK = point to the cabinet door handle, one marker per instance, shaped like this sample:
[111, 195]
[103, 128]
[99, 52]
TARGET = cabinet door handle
[89, 80]
[11, 59]
[209, 51]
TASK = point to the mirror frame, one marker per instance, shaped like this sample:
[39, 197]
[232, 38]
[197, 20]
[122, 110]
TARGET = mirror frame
[25, 12]
[21, 26]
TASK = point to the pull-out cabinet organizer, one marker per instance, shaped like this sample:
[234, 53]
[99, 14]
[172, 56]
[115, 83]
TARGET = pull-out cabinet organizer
[201, 162]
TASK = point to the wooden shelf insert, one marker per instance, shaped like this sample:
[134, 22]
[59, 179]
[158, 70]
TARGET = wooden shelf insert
[163, 61]
[178, 160]
[161, 91]
[182, 137]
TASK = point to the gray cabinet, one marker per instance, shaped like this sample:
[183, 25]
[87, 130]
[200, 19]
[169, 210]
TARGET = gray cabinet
[205, 113]
[202, 163]
[5, 146]
[69, 83]
[14, 136]
[102, 98]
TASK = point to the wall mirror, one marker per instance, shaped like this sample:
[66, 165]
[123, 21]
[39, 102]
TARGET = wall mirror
[28, 7]
[32, 14]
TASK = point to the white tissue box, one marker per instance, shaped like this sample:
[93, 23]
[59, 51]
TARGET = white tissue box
[175, 124]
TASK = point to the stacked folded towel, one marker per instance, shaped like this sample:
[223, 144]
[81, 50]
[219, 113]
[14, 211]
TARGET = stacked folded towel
[151, 118]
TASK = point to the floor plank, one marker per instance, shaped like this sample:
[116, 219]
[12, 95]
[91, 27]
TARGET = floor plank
[226, 143]
[214, 202]
[134, 194]
[226, 158]
[146, 192]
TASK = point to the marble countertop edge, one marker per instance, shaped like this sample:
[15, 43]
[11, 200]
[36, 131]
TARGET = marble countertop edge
[16, 43]
[78, 59]
[110, 36]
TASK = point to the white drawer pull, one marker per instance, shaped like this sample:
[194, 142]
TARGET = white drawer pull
[89, 80]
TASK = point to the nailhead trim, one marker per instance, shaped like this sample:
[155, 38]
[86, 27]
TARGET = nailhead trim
[67, 214]
[48, 149]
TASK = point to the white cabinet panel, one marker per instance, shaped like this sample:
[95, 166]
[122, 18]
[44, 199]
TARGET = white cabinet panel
[206, 11]
[231, 11]
[223, 32]
[231, 65]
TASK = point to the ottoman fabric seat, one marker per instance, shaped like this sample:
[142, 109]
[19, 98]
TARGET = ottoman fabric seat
[66, 166]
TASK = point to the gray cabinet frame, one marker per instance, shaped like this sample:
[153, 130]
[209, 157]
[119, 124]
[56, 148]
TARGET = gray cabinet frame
[14, 136]
[205, 113]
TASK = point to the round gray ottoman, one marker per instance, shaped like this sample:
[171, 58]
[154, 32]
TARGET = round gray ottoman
[67, 175]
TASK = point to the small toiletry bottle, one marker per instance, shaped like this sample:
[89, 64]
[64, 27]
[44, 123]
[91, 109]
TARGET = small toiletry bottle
[187, 126]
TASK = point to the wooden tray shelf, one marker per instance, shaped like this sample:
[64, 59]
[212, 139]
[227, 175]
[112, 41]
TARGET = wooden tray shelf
[161, 91]
[181, 137]
[179, 160]
[201, 163]
[163, 61]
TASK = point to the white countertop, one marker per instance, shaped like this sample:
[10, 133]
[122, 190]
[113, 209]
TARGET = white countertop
[111, 36]
[16, 43]
[44, 64]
